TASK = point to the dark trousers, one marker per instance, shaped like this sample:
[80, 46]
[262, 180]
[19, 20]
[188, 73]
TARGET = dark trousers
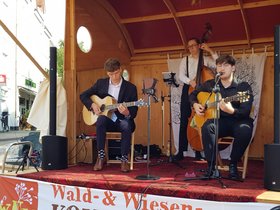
[104, 124]
[241, 130]
[185, 112]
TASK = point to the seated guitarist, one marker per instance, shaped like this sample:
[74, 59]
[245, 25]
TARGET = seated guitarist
[122, 119]
[234, 118]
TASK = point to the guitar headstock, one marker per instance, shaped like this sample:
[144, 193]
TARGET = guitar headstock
[243, 96]
[141, 102]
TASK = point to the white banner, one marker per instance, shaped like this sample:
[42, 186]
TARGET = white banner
[173, 66]
[25, 194]
[250, 68]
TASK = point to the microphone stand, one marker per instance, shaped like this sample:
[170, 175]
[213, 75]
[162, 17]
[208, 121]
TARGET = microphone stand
[216, 173]
[170, 81]
[162, 123]
[216, 90]
[151, 93]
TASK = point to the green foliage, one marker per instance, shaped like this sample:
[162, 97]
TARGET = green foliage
[60, 59]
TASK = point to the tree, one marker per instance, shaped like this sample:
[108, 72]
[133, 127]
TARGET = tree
[60, 59]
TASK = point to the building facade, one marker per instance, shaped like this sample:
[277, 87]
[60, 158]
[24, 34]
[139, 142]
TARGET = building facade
[20, 77]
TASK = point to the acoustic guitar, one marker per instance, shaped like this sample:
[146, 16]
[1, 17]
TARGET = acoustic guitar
[208, 100]
[106, 105]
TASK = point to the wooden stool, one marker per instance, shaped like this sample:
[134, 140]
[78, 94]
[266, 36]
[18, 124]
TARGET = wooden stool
[227, 141]
[117, 136]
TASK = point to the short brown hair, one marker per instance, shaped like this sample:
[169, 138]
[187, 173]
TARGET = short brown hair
[112, 64]
[225, 59]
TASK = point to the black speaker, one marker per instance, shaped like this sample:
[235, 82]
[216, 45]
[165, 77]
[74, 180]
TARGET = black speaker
[271, 167]
[54, 152]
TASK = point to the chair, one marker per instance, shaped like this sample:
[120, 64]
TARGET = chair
[228, 141]
[117, 136]
[21, 152]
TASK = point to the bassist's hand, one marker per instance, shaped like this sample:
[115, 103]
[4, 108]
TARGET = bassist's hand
[205, 47]
[199, 109]
[192, 83]
[95, 108]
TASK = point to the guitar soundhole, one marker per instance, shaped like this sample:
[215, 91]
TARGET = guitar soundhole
[102, 108]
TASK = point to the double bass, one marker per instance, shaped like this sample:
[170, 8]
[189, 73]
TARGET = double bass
[203, 74]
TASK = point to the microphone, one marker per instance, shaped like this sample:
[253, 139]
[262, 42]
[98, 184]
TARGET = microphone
[219, 74]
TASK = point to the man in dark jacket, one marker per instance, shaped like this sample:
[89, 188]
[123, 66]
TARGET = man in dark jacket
[122, 119]
[234, 108]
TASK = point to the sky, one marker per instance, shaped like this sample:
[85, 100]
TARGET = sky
[55, 18]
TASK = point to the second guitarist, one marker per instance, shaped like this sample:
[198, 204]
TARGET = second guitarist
[234, 118]
[122, 119]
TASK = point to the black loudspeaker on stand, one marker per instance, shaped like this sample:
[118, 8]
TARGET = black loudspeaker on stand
[54, 152]
[54, 148]
[272, 151]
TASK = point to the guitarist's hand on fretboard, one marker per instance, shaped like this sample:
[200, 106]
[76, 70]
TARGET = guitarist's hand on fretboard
[226, 107]
[123, 110]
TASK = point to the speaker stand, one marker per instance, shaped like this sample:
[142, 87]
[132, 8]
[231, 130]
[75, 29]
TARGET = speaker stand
[24, 160]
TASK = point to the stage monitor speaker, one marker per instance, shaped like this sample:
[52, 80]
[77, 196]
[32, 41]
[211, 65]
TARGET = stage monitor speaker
[271, 167]
[54, 152]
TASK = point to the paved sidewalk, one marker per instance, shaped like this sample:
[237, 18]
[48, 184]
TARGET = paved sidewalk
[10, 135]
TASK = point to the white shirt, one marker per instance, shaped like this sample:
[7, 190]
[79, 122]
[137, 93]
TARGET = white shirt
[114, 90]
[193, 62]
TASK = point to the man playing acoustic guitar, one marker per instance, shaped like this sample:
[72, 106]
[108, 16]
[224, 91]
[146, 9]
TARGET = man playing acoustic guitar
[234, 104]
[122, 119]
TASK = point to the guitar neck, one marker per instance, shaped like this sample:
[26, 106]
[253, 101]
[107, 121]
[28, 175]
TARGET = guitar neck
[115, 106]
[227, 99]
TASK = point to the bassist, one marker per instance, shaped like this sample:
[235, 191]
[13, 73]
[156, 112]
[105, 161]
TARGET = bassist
[187, 74]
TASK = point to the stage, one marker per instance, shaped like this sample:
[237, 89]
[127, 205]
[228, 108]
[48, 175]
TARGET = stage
[172, 181]
[171, 185]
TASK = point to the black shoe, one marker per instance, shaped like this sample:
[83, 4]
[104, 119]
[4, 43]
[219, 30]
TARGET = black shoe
[233, 172]
[211, 173]
[198, 156]
[177, 157]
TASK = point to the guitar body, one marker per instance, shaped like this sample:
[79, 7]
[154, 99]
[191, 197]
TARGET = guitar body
[106, 105]
[194, 134]
[209, 113]
[89, 117]
[196, 121]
